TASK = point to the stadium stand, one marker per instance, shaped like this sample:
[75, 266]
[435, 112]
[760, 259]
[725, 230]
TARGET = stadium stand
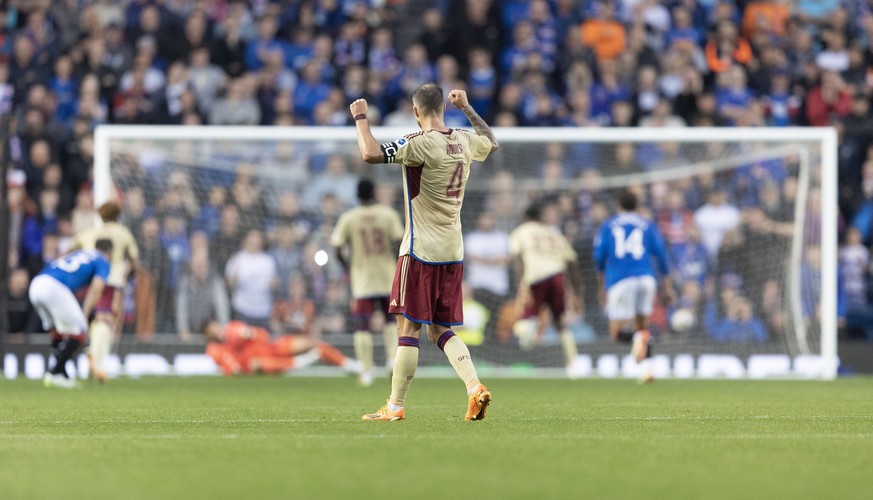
[69, 65]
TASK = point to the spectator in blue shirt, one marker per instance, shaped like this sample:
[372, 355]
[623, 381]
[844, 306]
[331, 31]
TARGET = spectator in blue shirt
[65, 87]
[350, 48]
[209, 215]
[257, 50]
[415, 71]
[301, 49]
[513, 59]
[863, 222]
[513, 12]
[733, 97]
[545, 32]
[738, 324]
[683, 33]
[690, 262]
[310, 91]
[36, 226]
[381, 58]
[482, 80]
[175, 240]
[606, 91]
[854, 260]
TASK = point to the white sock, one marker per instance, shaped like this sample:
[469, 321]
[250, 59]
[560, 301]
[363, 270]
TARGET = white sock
[568, 344]
[646, 366]
[364, 349]
[101, 341]
[405, 364]
[459, 357]
[352, 365]
[307, 358]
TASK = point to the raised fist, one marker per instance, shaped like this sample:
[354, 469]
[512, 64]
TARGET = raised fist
[359, 107]
[459, 98]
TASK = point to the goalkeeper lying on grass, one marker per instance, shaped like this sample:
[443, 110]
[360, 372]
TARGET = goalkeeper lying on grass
[238, 348]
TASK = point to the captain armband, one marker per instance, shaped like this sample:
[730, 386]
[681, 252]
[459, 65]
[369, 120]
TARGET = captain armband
[390, 149]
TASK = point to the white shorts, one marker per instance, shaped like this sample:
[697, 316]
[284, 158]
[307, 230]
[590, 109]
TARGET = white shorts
[631, 297]
[57, 306]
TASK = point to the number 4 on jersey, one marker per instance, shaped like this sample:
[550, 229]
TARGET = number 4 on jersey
[629, 243]
[453, 190]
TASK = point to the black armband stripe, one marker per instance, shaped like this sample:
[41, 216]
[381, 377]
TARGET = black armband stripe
[389, 152]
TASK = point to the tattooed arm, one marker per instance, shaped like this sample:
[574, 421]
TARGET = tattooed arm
[459, 99]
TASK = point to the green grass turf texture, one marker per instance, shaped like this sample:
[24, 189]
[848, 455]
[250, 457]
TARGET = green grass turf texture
[294, 437]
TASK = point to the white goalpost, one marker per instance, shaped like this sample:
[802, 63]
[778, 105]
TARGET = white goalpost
[776, 269]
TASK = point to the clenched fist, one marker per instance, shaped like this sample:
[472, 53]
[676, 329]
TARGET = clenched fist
[459, 99]
[358, 107]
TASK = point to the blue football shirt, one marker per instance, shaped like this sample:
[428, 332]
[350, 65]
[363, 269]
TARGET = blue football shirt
[78, 268]
[625, 247]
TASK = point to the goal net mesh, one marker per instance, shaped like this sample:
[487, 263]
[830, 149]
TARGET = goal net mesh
[742, 223]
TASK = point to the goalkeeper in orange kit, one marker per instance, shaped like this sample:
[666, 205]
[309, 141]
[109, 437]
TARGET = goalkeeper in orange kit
[238, 348]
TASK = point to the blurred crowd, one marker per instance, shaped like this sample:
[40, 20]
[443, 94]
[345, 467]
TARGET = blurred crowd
[69, 65]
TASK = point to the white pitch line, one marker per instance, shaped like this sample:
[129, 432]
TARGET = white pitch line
[175, 421]
[421, 437]
[699, 417]
[523, 419]
[87, 437]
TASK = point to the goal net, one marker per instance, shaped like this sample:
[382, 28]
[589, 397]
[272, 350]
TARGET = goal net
[748, 216]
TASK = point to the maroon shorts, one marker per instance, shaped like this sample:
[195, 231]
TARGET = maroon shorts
[428, 293]
[363, 310]
[550, 292]
[104, 303]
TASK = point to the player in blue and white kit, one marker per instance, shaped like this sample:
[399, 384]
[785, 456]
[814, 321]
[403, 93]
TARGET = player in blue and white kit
[52, 293]
[623, 253]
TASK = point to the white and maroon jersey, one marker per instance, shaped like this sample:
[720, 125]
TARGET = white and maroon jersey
[123, 245]
[369, 231]
[544, 251]
[435, 167]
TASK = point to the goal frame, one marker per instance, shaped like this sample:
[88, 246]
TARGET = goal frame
[825, 137]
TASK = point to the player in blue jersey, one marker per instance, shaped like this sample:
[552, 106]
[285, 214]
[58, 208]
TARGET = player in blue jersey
[52, 293]
[623, 252]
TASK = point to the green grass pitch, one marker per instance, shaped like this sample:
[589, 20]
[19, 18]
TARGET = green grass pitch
[294, 437]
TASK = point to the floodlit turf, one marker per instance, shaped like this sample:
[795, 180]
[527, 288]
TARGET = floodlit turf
[177, 438]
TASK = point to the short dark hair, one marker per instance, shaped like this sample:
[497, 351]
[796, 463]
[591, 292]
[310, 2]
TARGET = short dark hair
[535, 210]
[366, 190]
[627, 200]
[104, 245]
[428, 98]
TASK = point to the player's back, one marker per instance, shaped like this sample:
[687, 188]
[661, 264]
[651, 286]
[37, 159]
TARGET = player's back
[436, 166]
[78, 268]
[123, 245]
[543, 249]
[625, 247]
[369, 231]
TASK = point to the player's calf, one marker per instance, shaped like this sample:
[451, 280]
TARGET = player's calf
[642, 348]
[100, 335]
[363, 341]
